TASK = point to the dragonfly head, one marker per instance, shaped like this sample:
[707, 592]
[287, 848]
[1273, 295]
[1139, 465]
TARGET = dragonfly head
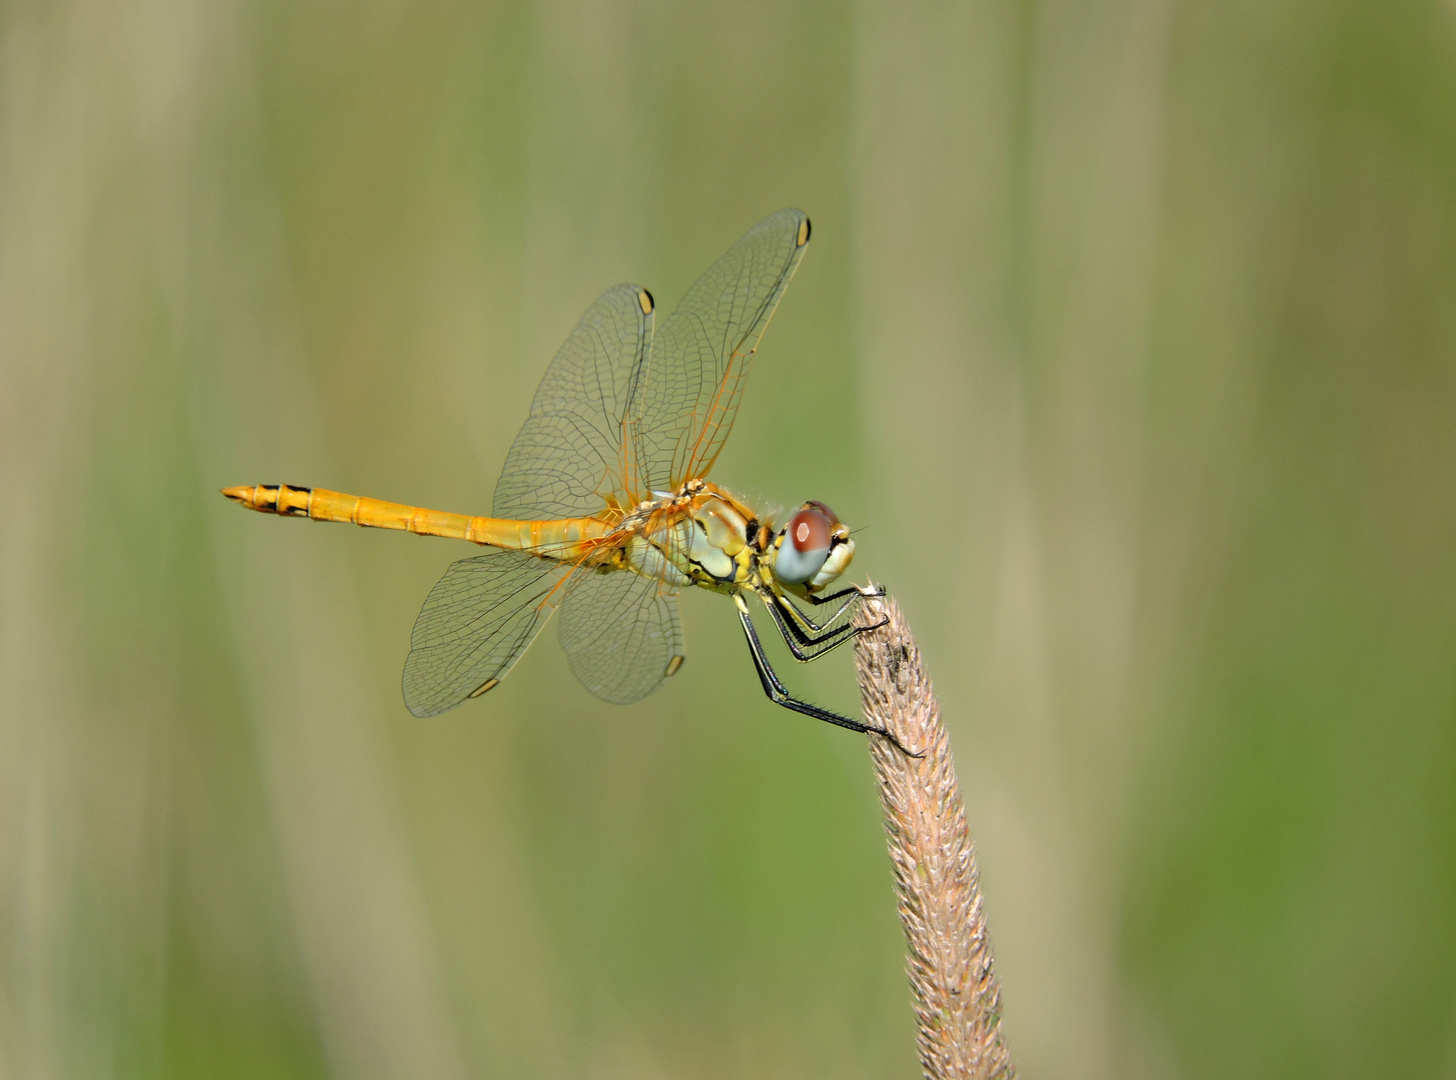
[813, 549]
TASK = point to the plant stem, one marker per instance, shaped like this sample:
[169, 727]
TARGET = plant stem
[957, 998]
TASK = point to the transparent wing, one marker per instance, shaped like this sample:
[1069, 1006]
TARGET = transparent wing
[569, 455]
[688, 395]
[477, 621]
[621, 633]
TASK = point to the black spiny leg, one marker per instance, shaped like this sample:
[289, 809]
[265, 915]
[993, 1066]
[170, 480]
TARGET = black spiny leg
[779, 694]
[798, 627]
[811, 644]
[853, 590]
[792, 610]
[854, 593]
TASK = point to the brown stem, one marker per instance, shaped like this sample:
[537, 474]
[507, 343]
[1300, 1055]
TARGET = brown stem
[957, 998]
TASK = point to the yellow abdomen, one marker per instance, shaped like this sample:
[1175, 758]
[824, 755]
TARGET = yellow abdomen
[564, 538]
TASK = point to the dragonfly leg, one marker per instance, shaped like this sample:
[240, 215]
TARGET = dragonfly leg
[779, 694]
[803, 645]
[805, 629]
[853, 593]
[792, 610]
[873, 591]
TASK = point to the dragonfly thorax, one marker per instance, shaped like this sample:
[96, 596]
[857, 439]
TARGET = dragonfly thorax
[699, 535]
[702, 535]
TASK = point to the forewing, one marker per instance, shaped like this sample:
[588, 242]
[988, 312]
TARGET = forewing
[621, 633]
[689, 394]
[477, 621]
[570, 453]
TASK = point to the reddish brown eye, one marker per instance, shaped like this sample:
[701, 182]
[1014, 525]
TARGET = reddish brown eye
[805, 543]
[810, 529]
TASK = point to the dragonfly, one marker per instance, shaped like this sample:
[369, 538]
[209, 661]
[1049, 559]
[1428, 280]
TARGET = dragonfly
[603, 512]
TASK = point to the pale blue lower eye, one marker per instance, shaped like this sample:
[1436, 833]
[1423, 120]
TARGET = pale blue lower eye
[794, 566]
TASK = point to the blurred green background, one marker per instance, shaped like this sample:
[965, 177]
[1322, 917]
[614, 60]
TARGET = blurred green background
[1126, 335]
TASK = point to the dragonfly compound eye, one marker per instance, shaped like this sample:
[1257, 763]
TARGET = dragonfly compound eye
[805, 545]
